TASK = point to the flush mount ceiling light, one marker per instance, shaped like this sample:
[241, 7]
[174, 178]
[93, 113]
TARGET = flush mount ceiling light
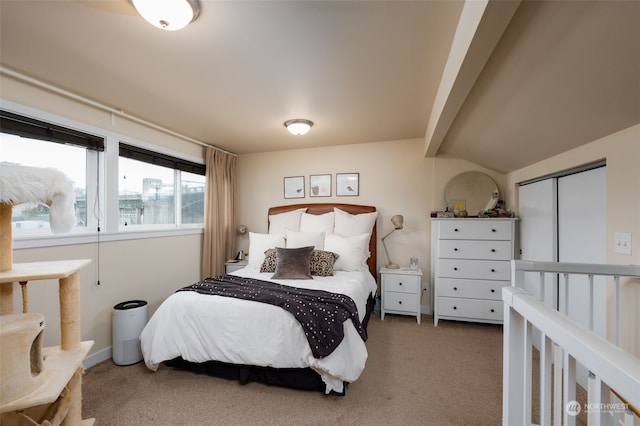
[298, 126]
[168, 15]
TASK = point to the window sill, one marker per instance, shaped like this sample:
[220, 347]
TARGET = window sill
[95, 237]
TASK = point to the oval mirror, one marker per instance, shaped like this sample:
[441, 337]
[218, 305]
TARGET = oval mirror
[471, 191]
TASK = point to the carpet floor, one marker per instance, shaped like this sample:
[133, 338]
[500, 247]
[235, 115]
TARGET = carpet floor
[415, 375]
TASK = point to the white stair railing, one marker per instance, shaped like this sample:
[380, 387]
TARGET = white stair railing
[564, 343]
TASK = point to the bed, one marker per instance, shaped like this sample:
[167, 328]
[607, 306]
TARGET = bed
[202, 329]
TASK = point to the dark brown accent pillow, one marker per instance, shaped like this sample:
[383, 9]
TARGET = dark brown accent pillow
[269, 263]
[322, 263]
[293, 263]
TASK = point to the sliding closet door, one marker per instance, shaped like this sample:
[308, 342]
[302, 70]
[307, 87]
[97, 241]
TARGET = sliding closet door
[582, 239]
[537, 210]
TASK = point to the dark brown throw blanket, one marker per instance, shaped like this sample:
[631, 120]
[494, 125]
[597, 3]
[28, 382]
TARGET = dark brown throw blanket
[320, 313]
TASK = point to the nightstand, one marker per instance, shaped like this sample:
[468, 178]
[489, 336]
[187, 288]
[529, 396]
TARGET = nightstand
[232, 265]
[401, 292]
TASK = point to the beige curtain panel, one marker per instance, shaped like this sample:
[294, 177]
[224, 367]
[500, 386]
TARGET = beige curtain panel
[220, 212]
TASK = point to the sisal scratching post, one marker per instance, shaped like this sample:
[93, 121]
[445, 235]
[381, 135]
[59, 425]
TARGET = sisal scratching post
[70, 312]
[6, 242]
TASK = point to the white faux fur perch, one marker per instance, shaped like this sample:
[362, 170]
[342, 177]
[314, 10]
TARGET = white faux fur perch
[25, 184]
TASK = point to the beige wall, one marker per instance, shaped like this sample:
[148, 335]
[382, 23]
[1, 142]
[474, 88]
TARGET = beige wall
[395, 177]
[621, 151]
[147, 269]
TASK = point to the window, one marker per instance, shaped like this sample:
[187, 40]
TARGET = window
[30, 142]
[148, 189]
[154, 191]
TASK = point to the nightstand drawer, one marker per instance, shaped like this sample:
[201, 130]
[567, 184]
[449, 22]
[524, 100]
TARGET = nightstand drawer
[475, 269]
[461, 229]
[471, 289]
[470, 308]
[401, 283]
[400, 301]
[475, 249]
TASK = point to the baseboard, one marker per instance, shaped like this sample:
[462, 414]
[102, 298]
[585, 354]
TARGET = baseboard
[97, 357]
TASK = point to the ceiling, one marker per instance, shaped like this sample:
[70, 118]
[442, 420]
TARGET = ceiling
[542, 78]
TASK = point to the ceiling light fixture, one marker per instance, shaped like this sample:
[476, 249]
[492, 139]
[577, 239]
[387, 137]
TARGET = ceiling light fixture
[168, 15]
[298, 126]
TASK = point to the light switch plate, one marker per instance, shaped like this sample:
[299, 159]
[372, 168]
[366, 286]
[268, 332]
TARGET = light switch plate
[622, 243]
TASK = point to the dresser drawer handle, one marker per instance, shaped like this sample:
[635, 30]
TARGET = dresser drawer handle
[399, 302]
[455, 249]
[455, 268]
[493, 270]
[455, 289]
[455, 230]
[493, 290]
[399, 284]
[455, 307]
[493, 230]
[493, 250]
[493, 310]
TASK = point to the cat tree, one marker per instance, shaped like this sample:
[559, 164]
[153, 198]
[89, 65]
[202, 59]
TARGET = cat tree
[39, 385]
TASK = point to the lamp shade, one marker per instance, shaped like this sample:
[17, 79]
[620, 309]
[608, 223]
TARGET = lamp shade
[397, 221]
[298, 126]
[168, 15]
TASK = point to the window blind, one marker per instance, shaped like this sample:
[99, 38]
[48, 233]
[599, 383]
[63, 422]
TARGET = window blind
[164, 160]
[28, 127]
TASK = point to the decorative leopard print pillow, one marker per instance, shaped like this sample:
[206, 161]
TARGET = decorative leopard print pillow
[322, 263]
[269, 264]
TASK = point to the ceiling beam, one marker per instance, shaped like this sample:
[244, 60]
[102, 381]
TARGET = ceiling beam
[480, 28]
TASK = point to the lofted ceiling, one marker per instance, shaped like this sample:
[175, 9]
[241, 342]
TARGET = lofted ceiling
[537, 78]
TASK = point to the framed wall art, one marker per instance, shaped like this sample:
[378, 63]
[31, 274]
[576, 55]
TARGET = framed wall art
[347, 184]
[294, 187]
[320, 186]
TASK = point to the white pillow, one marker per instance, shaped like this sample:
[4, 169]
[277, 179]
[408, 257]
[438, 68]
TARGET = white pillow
[317, 222]
[281, 222]
[349, 225]
[353, 251]
[259, 243]
[305, 239]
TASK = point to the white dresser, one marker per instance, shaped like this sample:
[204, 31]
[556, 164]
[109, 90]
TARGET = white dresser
[470, 265]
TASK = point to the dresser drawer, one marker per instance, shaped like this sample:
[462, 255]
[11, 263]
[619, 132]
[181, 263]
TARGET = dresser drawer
[470, 308]
[471, 289]
[475, 269]
[400, 301]
[401, 283]
[475, 249]
[461, 229]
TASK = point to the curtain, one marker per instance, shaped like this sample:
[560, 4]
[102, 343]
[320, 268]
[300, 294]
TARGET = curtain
[220, 212]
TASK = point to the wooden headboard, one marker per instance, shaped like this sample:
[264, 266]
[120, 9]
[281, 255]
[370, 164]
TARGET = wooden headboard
[321, 208]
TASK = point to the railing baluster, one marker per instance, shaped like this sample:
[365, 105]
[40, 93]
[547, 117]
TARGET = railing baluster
[616, 310]
[594, 396]
[546, 352]
[591, 302]
[558, 407]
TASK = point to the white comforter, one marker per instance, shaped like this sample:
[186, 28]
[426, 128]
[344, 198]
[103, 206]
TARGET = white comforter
[200, 328]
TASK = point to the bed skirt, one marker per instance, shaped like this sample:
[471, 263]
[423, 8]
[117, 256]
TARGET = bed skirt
[295, 378]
